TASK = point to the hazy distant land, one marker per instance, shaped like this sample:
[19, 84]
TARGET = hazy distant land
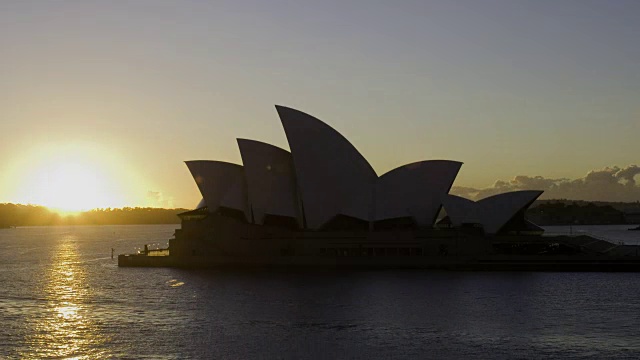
[567, 212]
[33, 215]
[543, 212]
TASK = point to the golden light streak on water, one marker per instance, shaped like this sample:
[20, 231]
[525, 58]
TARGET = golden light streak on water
[65, 331]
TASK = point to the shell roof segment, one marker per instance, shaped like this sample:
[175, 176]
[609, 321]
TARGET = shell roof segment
[270, 176]
[332, 176]
[492, 212]
[220, 183]
[415, 190]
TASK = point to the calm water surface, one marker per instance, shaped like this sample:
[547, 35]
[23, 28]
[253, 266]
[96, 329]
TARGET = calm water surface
[62, 296]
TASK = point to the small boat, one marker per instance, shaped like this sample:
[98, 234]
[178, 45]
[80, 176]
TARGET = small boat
[635, 228]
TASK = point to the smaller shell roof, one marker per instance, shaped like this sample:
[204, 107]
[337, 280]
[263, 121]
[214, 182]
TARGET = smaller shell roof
[270, 175]
[220, 183]
[492, 212]
[415, 190]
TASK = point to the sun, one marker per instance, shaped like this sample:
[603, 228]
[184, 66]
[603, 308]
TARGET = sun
[73, 187]
[70, 182]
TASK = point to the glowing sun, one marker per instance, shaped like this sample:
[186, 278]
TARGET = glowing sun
[73, 187]
[70, 183]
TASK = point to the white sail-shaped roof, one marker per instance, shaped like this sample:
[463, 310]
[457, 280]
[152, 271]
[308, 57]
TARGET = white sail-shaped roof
[499, 209]
[271, 184]
[220, 183]
[201, 204]
[332, 176]
[415, 190]
[492, 212]
[460, 210]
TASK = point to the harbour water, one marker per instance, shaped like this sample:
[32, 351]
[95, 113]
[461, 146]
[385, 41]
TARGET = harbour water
[62, 296]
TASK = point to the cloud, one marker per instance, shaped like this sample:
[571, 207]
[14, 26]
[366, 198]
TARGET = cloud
[608, 184]
[157, 199]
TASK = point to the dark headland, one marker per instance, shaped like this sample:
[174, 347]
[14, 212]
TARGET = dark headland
[13, 215]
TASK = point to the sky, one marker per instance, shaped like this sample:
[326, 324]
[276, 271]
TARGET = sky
[101, 102]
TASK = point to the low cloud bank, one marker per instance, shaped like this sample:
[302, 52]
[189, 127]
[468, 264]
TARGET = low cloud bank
[608, 184]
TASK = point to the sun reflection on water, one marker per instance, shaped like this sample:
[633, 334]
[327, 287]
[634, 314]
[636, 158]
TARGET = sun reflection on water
[65, 331]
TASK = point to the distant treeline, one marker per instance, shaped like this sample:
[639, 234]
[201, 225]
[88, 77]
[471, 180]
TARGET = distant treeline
[32, 215]
[562, 212]
[622, 206]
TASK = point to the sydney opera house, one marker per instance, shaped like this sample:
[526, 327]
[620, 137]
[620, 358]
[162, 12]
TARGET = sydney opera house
[325, 184]
[323, 204]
